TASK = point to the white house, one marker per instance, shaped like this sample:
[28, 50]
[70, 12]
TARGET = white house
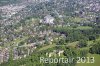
[47, 20]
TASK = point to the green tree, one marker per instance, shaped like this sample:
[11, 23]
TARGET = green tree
[82, 43]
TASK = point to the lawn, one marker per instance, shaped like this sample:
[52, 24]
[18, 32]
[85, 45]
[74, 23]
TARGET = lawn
[84, 28]
[47, 47]
[96, 63]
[77, 28]
[77, 19]
[73, 44]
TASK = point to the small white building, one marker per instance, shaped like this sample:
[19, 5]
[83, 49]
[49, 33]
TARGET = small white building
[47, 20]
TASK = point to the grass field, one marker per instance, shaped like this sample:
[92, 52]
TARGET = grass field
[77, 19]
[96, 56]
[84, 28]
[77, 28]
[73, 44]
[96, 63]
[47, 47]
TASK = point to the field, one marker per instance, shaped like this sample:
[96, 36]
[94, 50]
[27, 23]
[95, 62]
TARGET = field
[77, 19]
[96, 63]
[47, 47]
[84, 28]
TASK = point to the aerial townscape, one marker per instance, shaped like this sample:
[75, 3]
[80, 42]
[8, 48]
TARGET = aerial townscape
[31, 30]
